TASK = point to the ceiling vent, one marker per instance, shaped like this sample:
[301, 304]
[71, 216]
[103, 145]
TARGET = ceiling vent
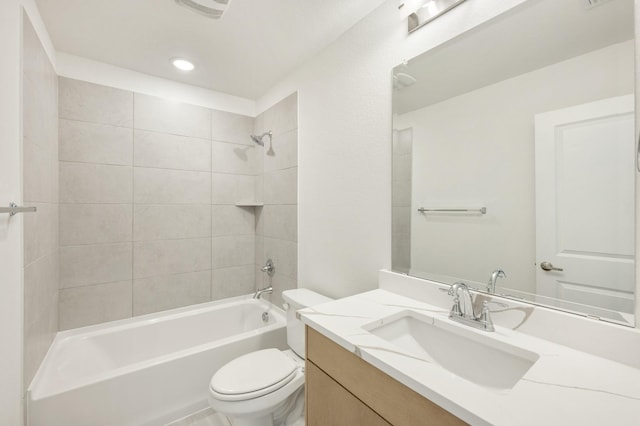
[210, 8]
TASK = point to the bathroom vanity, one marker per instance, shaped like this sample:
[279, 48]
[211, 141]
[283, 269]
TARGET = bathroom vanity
[392, 356]
[359, 393]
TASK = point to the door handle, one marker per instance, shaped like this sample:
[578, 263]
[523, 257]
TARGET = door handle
[548, 266]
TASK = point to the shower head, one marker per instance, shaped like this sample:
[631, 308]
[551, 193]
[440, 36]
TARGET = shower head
[259, 139]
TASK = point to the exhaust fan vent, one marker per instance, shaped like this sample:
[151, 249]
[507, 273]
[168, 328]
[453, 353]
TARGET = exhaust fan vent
[210, 8]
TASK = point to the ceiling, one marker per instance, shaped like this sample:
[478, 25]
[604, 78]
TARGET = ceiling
[255, 44]
[534, 35]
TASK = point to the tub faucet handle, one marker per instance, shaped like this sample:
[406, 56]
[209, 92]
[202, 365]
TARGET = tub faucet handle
[269, 268]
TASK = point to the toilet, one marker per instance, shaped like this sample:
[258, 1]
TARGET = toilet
[266, 387]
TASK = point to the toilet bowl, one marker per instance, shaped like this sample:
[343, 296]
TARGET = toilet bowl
[265, 387]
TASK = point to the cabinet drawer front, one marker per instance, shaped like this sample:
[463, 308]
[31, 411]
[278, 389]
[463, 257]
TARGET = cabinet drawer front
[329, 404]
[392, 400]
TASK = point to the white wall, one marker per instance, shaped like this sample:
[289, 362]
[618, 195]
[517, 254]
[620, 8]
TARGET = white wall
[477, 150]
[345, 142]
[10, 238]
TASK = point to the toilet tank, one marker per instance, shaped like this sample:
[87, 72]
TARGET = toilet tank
[297, 299]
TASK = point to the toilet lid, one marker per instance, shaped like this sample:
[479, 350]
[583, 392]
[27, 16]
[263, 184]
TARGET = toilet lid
[252, 375]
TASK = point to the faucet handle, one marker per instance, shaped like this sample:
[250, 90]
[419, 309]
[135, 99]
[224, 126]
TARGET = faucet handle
[455, 287]
[485, 317]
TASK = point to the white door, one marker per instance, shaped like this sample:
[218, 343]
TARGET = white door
[584, 158]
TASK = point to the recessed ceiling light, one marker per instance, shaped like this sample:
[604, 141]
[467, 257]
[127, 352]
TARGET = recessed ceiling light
[183, 64]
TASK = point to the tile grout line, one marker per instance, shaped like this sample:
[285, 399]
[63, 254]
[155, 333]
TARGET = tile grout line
[133, 189]
[211, 200]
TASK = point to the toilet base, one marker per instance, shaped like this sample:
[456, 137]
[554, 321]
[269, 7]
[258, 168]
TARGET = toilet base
[289, 413]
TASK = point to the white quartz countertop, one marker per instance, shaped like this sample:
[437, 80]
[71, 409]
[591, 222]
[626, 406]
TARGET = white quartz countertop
[563, 387]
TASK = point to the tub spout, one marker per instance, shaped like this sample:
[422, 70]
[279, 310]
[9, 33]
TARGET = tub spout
[258, 294]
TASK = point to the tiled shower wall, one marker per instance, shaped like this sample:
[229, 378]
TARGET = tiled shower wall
[401, 200]
[148, 189]
[40, 189]
[277, 224]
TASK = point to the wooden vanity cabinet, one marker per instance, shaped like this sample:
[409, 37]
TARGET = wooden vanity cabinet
[342, 389]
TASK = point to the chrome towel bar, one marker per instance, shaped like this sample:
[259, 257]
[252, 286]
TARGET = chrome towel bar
[14, 209]
[482, 210]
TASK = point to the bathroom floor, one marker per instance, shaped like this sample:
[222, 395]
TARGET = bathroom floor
[207, 417]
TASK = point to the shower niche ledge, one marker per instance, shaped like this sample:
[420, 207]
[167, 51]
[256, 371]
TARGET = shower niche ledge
[249, 204]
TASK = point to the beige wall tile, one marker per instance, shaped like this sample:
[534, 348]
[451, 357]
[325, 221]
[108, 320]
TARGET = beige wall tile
[164, 257]
[171, 221]
[401, 167]
[281, 186]
[260, 258]
[170, 291]
[284, 153]
[40, 287]
[95, 143]
[166, 116]
[232, 188]
[95, 264]
[95, 223]
[38, 174]
[233, 251]
[401, 252]
[284, 255]
[81, 306]
[84, 101]
[401, 193]
[161, 186]
[234, 158]
[40, 231]
[162, 150]
[40, 189]
[263, 122]
[285, 114]
[280, 222]
[95, 183]
[281, 283]
[231, 282]
[230, 127]
[232, 220]
[401, 220]
[38, 336]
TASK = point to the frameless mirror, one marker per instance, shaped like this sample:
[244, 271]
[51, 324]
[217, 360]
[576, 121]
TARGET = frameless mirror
[514, 158]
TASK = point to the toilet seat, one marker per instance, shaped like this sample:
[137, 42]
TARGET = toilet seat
[253, 375]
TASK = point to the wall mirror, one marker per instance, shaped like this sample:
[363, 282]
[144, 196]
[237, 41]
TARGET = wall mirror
[513, 151]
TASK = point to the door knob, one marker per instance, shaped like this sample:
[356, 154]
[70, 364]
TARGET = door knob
[548, 266]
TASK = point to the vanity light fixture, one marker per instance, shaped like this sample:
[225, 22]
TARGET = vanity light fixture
[183, 64]
[428, 11]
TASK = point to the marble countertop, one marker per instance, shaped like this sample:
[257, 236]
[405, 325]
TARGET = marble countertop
[564, 386]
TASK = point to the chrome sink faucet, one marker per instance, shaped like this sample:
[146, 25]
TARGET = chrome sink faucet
[462, 310]
[491, 285]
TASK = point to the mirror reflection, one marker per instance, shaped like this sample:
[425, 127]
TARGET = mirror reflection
[514, 158]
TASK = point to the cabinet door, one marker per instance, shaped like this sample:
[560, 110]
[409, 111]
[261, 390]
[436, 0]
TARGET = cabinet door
[329, 404]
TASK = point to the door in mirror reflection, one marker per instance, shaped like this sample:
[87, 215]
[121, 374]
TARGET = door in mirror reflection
[584, 204]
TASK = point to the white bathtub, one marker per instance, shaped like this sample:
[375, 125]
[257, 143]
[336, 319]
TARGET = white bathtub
[147, 370]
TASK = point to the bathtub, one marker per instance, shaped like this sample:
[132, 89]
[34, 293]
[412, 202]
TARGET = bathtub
[148, 370]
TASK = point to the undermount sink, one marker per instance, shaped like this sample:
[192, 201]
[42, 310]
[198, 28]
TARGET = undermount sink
[468, 354]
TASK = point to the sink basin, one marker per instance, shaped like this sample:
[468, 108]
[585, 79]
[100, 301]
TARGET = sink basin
[469, 354]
